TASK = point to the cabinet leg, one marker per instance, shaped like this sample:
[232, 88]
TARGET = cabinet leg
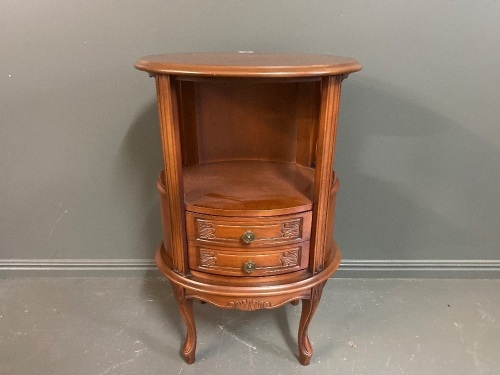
[186, 309]
[308, 309]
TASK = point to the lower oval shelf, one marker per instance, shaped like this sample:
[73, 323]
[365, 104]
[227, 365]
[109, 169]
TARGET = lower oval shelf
[263, 262]
[211, 287]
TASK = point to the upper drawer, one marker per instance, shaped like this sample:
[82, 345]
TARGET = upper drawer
[249, 231]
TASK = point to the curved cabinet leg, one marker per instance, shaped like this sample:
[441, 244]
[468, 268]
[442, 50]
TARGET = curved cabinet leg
[186, 308]
[308, 309]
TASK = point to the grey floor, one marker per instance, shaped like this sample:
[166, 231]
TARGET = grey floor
[131, 326]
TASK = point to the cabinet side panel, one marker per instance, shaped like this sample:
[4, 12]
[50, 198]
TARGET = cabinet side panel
[172, 163]
[325, 150]
[330, 226]
[307, 114]
[187, 122]
[246, 121]
[165, 216]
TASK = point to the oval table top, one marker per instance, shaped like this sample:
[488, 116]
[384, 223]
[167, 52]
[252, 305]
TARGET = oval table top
[247, 64]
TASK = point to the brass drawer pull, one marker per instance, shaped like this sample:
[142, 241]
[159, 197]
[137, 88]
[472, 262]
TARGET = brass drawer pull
[249, 267]
[248, 237]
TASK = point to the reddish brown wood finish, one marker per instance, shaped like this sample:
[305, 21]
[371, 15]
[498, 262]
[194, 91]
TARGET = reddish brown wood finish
[308, 110]
[309, 307]
[330, 100]
[268, 231]
[230, 261]
[248, 64]
[248, 192]
[273, 293]
[170, 138]
[248, 188]
[186, 309]
[187, 119]
[231, 108]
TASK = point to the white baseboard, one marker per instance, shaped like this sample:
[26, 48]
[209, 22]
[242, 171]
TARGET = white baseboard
[432, 268]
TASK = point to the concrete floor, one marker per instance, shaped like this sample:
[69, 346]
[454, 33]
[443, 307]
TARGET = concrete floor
[132, 326]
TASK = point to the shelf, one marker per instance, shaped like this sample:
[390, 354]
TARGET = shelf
[248, 188]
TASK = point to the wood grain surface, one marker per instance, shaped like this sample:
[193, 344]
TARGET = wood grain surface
[238, 64]
[248, 189]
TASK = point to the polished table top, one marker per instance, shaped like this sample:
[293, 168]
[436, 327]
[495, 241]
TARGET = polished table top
[248, 64]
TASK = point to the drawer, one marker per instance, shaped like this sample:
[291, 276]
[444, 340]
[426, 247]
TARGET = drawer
[249, 231]
[245, 262]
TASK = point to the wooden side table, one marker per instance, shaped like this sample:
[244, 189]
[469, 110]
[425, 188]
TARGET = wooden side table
[248, 188]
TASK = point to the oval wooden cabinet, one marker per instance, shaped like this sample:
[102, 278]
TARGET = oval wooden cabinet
[248, 187]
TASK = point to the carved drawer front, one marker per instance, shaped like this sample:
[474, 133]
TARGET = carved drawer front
[241, 262]
[249, 232]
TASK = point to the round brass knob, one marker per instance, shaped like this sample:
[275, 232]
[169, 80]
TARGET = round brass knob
[249, 267]
[248, 237]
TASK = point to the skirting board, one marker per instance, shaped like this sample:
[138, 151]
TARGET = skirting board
[349, 268]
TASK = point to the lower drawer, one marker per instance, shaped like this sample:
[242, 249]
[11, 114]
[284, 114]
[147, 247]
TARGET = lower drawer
[245, 262]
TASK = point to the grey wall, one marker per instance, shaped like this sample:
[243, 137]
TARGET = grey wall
[418, 145]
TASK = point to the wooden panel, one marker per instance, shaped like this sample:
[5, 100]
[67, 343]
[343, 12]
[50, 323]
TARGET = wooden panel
[230, 261]
[246, 303]
[187, 119]
[285, 278]
[330, 98]
[246, 121]
[236, 64]
[268, 231]
[331, 214]
[165, 216]
[252, 80]
[248, 188]
[307, 115]
[172, 163]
